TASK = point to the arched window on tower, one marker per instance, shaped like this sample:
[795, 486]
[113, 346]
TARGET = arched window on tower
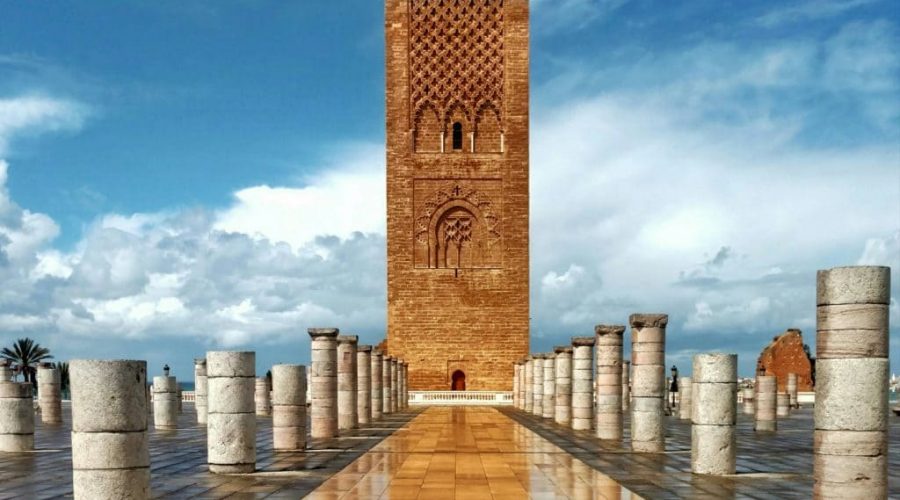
[457, 136]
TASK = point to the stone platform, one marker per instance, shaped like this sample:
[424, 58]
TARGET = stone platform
[451, 452]
[178, 462]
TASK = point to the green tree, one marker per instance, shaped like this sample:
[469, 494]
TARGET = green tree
[25, 355]
[63, 369]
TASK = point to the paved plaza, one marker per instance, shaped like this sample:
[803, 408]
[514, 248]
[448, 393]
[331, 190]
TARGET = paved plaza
[451, 452]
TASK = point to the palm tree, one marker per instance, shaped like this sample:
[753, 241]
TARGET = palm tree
[26, 354]
[63, 369]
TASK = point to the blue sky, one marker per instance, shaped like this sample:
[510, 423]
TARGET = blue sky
[188, 176]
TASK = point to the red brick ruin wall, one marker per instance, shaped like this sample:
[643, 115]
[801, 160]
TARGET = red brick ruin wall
[785, 355]
[457, 219]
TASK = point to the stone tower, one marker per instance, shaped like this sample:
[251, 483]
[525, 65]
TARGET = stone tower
[457, 190]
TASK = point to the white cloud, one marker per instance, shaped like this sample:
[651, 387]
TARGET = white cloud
[336, 202]
[809, 10]
[556, 15]
[32, 114]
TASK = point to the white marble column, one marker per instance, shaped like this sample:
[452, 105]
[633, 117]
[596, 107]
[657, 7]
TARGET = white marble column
[562, 408]
[685, 391]
[323, 383]
[347, 383]
[110, 453]
[608, 385]
[386, 405]
[766, 386]
[49, 394]
[529, 384]
[538, 376]
[364, 384]
[792, 390]
[16, 417]
[377, 384]
[850, 446]
[289, 407]
[165, 402]
[395, 385]
[648, 351]
[231, 419]
[548, 408]
[262, 397]
[749, 406]
[782, 405]
[200, 390]
[626, 385]
[714, 414]
[582, 383]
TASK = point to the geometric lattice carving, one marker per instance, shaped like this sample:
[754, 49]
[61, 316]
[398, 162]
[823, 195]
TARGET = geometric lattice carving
[457, 225]
[455, 63]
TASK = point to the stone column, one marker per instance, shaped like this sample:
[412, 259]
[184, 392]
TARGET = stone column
[714, 414]
[850, 448]
[548, 407]
[347, 383]
[626, 385]
[782, 405]
[200, 390]
[537, 407]
[49, 394]
[165, 402]
[685, 390]
[582, 383]
[386, 385]
[529, 384]
[648, 352]
[404, 399]
[231, 420]
[262, 397]
[766, 386]
[516, 385]
[792, 390]
[16, 417]
[749, 405]
[609, 381]
[395, 385]
[289, 407]
[323, 383]
[377, 385]
[562, 407]
[363, 384]
[110, 453]
[5, 371]
[179, 399]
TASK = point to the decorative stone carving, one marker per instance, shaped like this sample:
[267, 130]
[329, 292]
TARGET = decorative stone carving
[456, 70]
[457, 225]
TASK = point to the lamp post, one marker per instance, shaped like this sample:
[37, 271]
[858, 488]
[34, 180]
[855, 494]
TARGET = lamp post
[674, 387]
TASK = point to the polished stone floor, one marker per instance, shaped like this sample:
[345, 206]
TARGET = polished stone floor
[468, 453]
[178, 462]
[444, 452]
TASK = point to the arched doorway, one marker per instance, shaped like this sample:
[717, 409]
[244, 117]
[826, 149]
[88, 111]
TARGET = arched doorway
[458, 381]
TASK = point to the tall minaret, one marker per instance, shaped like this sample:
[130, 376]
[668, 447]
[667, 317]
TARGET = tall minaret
[457, 190]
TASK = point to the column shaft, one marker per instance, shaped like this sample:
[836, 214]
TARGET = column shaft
[262, 397]
[626, 385]
[165, 402]
[538, 403]
[766, 386]
[562, 407]
[16, 417]
[347, 383]
[386, 385]
[231, 419]
[364, 384]
[529, 384]
[714, 414]
[648, 351]
[110, 453]
[289, 407]
[582, 383]
[49, 394]
[377, 384]
[850, 447]
[200, 390]
[685, 388]
[608, 386]
[323, 383]
[792, 390]
[395, 398]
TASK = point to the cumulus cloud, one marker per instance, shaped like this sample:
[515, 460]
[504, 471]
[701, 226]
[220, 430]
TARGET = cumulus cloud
[33, 114]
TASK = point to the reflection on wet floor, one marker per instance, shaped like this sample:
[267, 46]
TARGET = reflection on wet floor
[468, 452]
